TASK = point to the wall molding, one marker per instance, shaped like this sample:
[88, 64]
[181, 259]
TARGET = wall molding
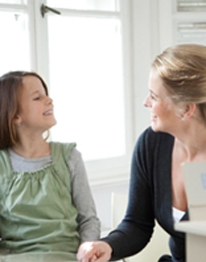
[122, 179]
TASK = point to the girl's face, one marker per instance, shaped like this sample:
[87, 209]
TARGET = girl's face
[164, 115]
[35, 107]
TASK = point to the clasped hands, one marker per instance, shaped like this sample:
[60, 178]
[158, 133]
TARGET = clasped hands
[97, 251]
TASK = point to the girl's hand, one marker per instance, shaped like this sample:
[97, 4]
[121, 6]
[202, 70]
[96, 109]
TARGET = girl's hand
[97, 251]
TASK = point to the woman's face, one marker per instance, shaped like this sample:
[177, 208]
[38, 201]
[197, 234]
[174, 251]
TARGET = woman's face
[164, 115]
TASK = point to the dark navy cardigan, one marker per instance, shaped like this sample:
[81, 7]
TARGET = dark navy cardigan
[150, 197]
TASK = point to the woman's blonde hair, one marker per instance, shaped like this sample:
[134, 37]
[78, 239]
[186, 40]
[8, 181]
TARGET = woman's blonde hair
[182, 69]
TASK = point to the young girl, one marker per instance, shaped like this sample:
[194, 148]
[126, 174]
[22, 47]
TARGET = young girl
[46, 207]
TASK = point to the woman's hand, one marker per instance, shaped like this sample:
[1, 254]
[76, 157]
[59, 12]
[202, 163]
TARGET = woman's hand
[97, 251]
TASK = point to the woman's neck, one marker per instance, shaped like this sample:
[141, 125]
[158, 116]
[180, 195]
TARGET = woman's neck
[192, 144]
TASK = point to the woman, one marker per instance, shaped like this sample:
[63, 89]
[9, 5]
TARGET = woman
[177, 101]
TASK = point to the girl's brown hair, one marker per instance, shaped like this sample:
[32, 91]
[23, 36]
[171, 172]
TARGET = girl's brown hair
[10, 87]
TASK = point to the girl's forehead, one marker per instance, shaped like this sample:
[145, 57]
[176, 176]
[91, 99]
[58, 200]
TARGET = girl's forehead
[31, 80]
[32, 83]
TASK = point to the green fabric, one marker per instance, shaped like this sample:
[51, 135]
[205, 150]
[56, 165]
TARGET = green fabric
[37, 214]
[37, 257]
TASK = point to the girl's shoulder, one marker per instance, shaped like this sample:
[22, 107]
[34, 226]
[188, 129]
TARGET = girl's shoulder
[62, 151]
[59, 147]
[4, 160]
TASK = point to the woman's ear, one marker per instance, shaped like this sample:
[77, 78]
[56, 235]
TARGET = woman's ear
[189, 111]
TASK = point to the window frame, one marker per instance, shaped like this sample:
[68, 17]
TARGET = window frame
[111, 170]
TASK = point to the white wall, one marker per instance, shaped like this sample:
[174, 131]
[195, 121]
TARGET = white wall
[102, 196]
[145, 46]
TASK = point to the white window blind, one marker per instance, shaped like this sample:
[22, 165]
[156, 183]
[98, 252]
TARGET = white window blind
[191, 21]
[190, 32]
[191, 5]
[182, 21]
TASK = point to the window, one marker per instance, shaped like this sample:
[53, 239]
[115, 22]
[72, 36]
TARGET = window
[80, 54]
[94, 5]
[86, 78]
[14, 44]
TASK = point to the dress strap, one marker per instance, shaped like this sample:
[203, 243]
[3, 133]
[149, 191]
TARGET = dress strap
[5, 162]
[61, 152]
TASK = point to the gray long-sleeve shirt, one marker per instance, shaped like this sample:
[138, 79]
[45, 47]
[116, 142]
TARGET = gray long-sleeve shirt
[89, 224]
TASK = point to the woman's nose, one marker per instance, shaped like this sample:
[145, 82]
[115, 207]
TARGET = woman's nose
[146, 102]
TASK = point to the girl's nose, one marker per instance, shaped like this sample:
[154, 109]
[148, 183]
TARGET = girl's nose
[49, 100]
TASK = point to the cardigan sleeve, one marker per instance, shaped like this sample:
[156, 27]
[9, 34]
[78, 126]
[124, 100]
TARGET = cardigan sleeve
[135, 230]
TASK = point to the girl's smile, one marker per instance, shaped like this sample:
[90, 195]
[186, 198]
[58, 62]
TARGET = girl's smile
[36, 108]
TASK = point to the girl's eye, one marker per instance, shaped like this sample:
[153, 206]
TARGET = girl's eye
[36, 98]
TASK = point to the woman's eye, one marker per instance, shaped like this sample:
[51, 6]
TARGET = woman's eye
[152, 97]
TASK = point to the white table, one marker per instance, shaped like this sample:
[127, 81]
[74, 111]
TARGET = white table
[195, 239]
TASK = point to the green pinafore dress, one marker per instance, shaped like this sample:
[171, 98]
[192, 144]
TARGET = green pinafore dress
[37, 214]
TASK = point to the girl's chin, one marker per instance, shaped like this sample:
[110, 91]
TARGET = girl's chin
[54, 123]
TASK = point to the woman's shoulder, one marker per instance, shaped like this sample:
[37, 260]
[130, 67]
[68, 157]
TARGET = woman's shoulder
[150, 138]
[148, 133]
